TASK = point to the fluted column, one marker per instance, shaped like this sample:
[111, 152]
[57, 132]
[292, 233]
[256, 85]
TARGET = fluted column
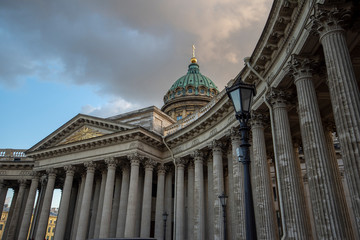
[116, 204]
[266, 226]
[330, 214]
[146, 202]
[16, 213]
[10, 213]
[190, 201]
[100, 205]
[25, 224]
[133, 195]
[108, 198]
[169, 202]
[218, 188]
[209, 231]
[344, 92]
[238, 214]
[95, 206]
[45, 210]
[64, 204]
[79, 198]
[120, 228]
[290, 186]
[199, 197]
[160, 193]
[86, 201]
[180, 199]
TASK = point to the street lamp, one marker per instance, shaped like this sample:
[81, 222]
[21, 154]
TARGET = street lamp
[223, 198]
[241, 95]
[165, 218]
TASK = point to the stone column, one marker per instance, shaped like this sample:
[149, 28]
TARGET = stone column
[266, 223]
[190, 202]
[64, 204]
[180, 199]
[116, 204]
[10, 213]
[160, 192]
[45, 210]
[120, 228]
[108, 197]
[3, 192]
[86, 201]
[71, 212]
[16, 214]
[146, 203]
[218, 176]
[344, 92]
[169, 202]
[199, 197]
[78, 205]
[133, 192]
[210, 200]
[291, 191]
[330, 214]
[95, 206]
[100, 205]
[25, 224]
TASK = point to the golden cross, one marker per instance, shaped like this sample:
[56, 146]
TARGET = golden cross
[193, 50]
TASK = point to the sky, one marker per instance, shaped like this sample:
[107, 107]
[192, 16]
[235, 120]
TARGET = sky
[103, 58]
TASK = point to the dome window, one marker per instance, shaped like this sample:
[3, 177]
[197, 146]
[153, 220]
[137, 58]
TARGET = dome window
[190, 90]
[179, 92]
[202, 91]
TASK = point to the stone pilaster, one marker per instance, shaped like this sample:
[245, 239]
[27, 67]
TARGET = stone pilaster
[169, 205]
[199, 197]
[160, 193]
[266, 226]
[180, 205]
[210, 200]
[291, 191]
[25, 224]
[64, 203]
[329, 22]
[146, 203]
[218, 178]
[116, 204]
[86, 201]
[238, 215]
[100, 205]
[133, 196]
[16, 215]
[331, 215]
[108, 198]
[45, 210]
[124, 195]
[190, 201]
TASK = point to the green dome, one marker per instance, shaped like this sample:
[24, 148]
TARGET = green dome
[193, 83]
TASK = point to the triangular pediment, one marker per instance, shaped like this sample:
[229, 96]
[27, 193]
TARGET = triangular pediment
[81, 127]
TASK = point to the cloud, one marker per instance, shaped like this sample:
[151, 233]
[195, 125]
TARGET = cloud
[111, 108]
[131, 50]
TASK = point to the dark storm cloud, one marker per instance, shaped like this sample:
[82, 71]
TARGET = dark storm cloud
[133, 50]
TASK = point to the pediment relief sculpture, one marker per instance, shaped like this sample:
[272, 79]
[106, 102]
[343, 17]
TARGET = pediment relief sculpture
[82, 134]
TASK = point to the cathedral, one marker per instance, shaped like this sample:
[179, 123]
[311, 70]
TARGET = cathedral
[160, 173]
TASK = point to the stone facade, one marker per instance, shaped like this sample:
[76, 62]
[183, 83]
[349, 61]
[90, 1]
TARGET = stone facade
[119, 175]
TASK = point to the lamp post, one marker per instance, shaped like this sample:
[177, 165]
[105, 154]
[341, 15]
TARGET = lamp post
[223, 198]
[165, 218]
[241, 95]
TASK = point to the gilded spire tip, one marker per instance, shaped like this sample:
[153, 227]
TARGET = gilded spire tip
[193, 59]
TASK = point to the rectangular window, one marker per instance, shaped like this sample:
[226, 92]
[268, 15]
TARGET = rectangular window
[1, 226]
[49, 229]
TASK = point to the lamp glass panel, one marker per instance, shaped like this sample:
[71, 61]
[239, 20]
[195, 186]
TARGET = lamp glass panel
[246, 95]
[235, 97]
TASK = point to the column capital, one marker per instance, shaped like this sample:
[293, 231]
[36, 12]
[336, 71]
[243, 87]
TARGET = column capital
[135, 158]
[198, 156]
[234, 134]
[51, 172]
[111, 162]
[70, 169]
[301, 67]
[22, 182]
[161, 169]
[180, 162]
[150, 164]
[90, 166]
[258, 119]
[191, 164]
[278, 97]
[330, 18]
[329, 126]
[216, 146]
